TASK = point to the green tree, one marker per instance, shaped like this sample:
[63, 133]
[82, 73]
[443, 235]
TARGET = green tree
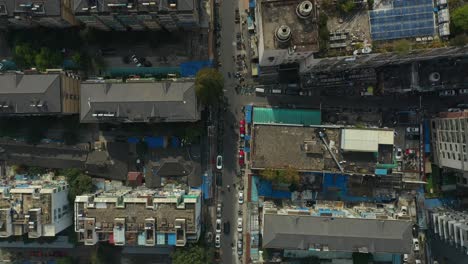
[24, 55]
[33, 170]
[208, 85]
[79, 183]
[47, 58]
[459, 40]
[370, 4]
[346, 6]
[402, 46]
[65, 260]
[193, 255]
[291, 175]
[459, 19]
[324, 34]
[268, 174]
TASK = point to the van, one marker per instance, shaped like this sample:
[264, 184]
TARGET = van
[276, 91]
[259, 90]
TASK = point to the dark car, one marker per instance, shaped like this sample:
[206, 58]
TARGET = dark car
[227, 228]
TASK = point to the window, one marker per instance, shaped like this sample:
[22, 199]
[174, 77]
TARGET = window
[450, 145]
[445, 145]
[459, 158]
[443, 154]
[464, 158]
[464, 148]
[456, 147]
[464, 181]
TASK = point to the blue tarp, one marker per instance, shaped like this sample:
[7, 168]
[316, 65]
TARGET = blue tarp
[248, 114]
[190, 68]
[155, 142]
[252, 3]
[206, 186]
[171, 239]
[265, 189]
[160, 238]
[380, 171]
[133, 140]
[427, 136]
[175, 142]
[254, 192]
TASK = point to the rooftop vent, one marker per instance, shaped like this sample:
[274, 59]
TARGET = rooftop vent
[304, 9]
[283, 33]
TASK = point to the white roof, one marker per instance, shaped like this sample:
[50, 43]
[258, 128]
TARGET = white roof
[365, 140]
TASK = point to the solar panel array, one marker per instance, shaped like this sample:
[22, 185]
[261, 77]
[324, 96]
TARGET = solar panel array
[408, 18]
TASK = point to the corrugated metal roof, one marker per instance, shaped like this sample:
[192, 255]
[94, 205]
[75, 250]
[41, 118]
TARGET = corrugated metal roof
[366, 140]
[306, 117]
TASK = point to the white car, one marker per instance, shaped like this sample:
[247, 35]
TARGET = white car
[218, 226]
[219, 162]
[417, 261]
[239, 224]
[241, 197]
[218, 240]
[219, 210]
[463, 91]
[415, 244]
[412, 130]
[398, 154]
[405, 258]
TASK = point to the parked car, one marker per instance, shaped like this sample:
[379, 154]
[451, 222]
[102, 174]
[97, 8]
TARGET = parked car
[463, 91]
[415, 244]
[218, 211]
[219, 162]
[405, 258]
[239, 248]
[398, 154]
[241, 157]
[242, 128]
[418, 261]
[448, 93]
[241, 197]
[218, 226]
[218, 240]
[227, 227]
[412, 130]
[239, 224]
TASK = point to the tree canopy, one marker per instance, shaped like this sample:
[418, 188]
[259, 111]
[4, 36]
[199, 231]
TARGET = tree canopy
[79, 183]
[402, 46]
[208, 85]
[26, 56]
[47, 58]
[193, 255]
[460, 19]
[288, 175]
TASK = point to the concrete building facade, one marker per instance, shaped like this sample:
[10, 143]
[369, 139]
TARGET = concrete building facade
[449, 132]
[37, 208]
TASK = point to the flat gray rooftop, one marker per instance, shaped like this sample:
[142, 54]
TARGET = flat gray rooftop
[275, 13]
[277, 146]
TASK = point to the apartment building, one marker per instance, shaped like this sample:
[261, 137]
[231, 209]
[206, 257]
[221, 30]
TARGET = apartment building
[146, 101]
[36, 208]
[124, 15]
[450, 226]
[141, 216]
[23, 13]
[449, 132]
[33, 93]
[324, 227]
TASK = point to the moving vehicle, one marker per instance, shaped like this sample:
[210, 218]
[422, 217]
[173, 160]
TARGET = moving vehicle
[218, 241]
[241, 197]
[415, 244]
[259, 90]
[218, 226]
[219, 162]
[241, 157]
[239, 224]
[448, 93]
[227, 228]
[412, 130]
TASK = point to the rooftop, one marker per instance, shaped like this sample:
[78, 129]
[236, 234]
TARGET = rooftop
[279, 146]
[30, 93]
[38, 8]
[138, 101]
[276, 13]
[326, 227]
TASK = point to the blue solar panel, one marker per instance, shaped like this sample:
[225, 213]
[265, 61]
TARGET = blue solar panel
[408, 18]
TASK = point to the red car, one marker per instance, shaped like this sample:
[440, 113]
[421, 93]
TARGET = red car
[242, 128]
[241, 157]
